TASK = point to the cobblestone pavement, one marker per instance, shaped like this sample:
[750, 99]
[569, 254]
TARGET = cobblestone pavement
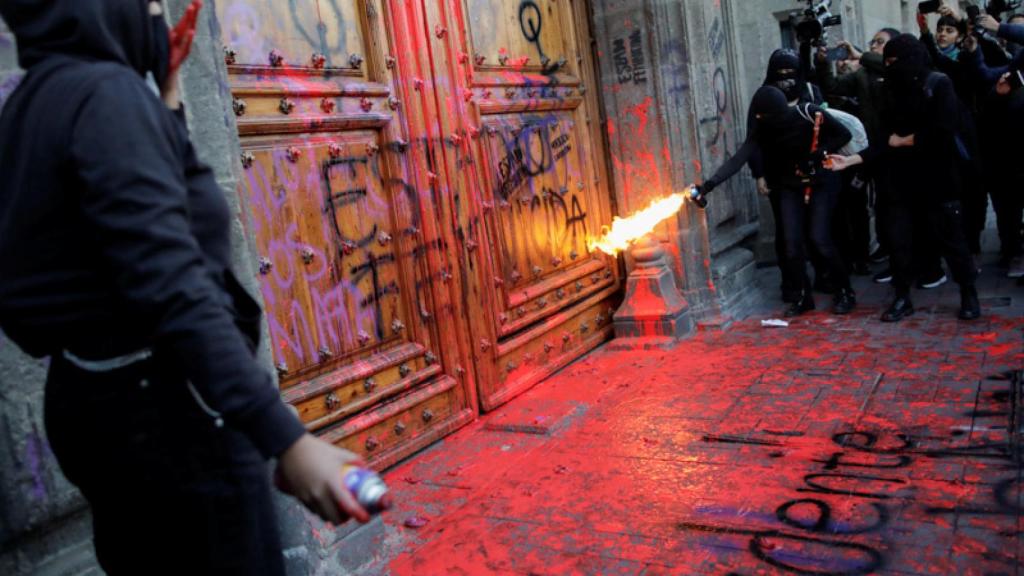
[837, 445]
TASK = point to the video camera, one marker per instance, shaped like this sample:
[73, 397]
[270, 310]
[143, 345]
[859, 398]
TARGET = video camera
[811, 25]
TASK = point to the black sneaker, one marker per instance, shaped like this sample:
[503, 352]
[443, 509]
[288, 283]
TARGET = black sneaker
[879, 256]
[844, 302]
[900, 308]
[933, 282]
[970, 308]
[860, 269]
[804, 304]
[883, 277]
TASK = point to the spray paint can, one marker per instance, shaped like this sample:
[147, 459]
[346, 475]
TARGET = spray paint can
[697, 198]
[367, 487]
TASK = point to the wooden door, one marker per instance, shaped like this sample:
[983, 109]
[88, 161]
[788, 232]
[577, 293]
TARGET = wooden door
[525, 175]
[353, 264]
[421, 214]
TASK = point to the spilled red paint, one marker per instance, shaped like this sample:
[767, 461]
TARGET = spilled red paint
[834, 446]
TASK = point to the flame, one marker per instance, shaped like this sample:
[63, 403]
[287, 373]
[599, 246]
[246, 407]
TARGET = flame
[625, 231]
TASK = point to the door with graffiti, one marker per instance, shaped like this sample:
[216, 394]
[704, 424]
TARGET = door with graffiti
[421, 179]
[524, 163]
[341, 199]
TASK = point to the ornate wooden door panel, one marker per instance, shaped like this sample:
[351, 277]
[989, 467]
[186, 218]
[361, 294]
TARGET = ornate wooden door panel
[524, 168]
[422, 178]
[361, 320]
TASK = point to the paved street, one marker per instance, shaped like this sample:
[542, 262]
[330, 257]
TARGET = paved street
[834, 446]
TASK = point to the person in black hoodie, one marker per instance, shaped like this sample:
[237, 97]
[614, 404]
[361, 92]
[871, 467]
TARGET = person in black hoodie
[787, 73]
[784, 136]
[114, 262]
[923, 155]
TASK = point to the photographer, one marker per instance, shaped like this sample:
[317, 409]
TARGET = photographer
[1000, 110]
[866, 86]
[785, 137]
[923, 156]
[1002, 118]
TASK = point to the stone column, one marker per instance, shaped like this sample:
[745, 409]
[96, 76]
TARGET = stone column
[669, 89]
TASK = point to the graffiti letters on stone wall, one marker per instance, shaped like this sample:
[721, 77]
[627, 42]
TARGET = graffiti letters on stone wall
[630, 66]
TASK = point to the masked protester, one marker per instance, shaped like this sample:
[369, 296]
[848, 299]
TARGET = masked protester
[923, 155]
[156, 406]
[786, 73]
[785, 133]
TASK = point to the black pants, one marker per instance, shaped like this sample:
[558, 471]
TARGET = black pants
[804, 224]
[170, 491]
[1008, 201]
[944, 223]
[851, 224]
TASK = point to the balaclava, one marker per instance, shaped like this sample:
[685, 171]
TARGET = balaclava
[784, 73]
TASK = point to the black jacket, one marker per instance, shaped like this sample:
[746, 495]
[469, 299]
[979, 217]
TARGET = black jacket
[933, 167]
[785, 145]
[113, 237]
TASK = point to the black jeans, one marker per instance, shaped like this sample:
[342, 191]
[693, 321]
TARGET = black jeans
[943, 222]
[804, 224]
[851, 224]
[170, 491]
[1008, 201]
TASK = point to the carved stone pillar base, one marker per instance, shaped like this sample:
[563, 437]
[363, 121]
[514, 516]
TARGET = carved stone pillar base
[654, 309]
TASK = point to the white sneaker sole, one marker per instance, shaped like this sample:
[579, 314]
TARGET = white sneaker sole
[935, 284]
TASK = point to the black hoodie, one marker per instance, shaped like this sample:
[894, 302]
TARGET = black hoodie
[113, 237]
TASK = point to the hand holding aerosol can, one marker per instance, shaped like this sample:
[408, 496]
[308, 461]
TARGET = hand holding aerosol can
[332, 482]
[696, 194]
[367, 487]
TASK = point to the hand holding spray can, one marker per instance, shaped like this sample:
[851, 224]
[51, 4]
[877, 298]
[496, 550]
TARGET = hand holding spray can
[697, 196]
[367, 487]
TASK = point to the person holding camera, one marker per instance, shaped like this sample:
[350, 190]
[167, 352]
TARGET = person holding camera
[998, 84]
[923, 155]
[808, 194]
[156, 406]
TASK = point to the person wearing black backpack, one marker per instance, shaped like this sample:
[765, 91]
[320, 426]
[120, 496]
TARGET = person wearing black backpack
[924, 155]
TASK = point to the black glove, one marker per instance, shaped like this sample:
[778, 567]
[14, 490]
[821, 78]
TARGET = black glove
[697, 193]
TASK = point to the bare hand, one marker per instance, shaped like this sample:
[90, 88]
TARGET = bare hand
[901, 141]
[762, 187]
[947, 10]
[1003, 87]
[922, 22]
[854, 53]
[310, 470]
[821, 55]
[988, 22]
[837, 163]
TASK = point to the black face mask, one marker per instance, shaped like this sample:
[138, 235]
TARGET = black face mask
[161, 58]
[790, 87]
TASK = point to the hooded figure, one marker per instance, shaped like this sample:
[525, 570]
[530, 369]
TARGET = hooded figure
[785, 133]
[786, 73]
[924, 158]
[114, 261]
